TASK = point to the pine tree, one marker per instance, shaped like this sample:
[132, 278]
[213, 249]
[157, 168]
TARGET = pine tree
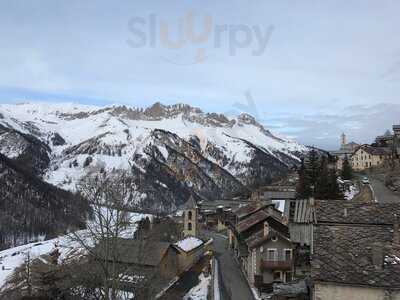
[322, 185]
[334, 188]
[303, 190]
[316, 179]
[308, 175]
[347, 170]
[312, 165]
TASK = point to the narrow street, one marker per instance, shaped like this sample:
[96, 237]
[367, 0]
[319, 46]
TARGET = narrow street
[382, 193]
[234, 284]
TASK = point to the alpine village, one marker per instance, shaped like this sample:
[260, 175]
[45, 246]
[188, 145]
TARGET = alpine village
[309, 224]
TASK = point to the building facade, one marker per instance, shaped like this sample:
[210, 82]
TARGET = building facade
[345, 151]
[270, 258]
[366, 157]
[259, 238]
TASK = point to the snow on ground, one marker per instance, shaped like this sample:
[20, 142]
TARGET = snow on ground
[189, 243]
[14, 257]
[200, 291]
[280, 205]
[350, 194]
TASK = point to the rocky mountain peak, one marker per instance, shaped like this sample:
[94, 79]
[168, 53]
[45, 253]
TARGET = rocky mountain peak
[245, 118]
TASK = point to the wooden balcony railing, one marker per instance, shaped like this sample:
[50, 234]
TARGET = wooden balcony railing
[284, 265]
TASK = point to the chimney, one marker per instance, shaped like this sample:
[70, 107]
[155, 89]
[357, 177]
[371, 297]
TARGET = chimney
[266, 229]
[377, 255]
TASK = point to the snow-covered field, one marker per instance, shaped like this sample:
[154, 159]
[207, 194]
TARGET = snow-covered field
[14, 257]
[66, 245]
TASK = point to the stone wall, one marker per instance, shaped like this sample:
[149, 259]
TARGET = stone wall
[338, 292]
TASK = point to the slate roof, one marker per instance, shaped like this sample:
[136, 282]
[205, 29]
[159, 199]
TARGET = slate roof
[130, 251]
[190, 204]
[249, 209]
[375, 150]
[343, 254]
[345, 236]
[262, 216]
[212, 205]
[259, 238]
[351, 212]
[252, 220]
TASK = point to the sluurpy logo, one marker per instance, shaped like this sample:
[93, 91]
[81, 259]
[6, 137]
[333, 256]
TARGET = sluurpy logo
[181, 37]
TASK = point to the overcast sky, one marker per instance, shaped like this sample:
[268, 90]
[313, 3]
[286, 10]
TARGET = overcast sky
[306, 69]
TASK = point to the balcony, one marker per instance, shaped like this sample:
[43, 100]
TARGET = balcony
[283, 265]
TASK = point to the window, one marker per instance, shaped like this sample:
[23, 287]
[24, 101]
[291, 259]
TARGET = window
[272, 255]
[288, 254]
[190, 215]
[189, 226]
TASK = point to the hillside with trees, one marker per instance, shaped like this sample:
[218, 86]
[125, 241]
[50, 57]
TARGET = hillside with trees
[30, 207]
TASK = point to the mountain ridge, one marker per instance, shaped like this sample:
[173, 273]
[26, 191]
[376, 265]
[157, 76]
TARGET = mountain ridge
[208, 154]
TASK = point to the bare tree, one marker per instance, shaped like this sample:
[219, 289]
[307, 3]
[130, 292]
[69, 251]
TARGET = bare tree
[95, 268]
[110, 197]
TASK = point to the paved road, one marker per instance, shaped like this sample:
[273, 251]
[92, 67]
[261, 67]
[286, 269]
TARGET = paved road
[235, 284]
[382, 193]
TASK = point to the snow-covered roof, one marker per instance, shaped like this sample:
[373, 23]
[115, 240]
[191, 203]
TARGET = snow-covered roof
[188, 244]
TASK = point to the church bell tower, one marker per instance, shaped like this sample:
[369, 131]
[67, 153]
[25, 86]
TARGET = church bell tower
[190, 218]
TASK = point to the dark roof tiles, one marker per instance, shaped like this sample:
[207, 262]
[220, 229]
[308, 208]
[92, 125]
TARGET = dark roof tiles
[249, 209]
[347, 237]
[251, 221]
[343, 254]
[130, 251]
[341, 211]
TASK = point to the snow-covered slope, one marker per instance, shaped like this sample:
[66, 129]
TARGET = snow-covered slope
[66, 245]
[174, 148]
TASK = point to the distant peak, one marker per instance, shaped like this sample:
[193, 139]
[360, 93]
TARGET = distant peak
[247, 119]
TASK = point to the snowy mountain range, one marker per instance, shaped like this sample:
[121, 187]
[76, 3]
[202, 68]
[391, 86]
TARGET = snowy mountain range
[174, 150]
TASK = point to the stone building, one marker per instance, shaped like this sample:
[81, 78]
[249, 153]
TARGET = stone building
[270, 257]
[190, 218]
[356, 251]
[190, 250]
[259, 238]
[366, 157]
[390, 141]
[345, 151]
